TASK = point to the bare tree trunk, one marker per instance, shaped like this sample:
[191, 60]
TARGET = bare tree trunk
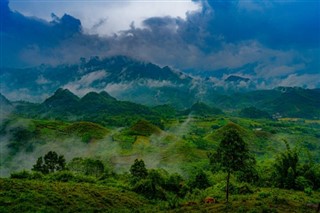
[227, 188]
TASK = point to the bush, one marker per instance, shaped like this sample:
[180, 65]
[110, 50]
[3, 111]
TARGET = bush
[264, 194]
[302, 183]
[149, 189]
[200, 181]
[87, 166]
[67, 176]
[27, 175]
[308, 191]
[21, 175]
[243, 188]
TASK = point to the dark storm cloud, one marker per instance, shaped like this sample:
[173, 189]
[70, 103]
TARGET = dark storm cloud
[276, 23]
[277, 39]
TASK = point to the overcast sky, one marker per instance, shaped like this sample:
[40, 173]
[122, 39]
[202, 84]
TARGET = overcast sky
[105, 17]
[276, 41]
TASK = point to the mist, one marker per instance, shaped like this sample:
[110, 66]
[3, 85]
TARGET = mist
[158, 151]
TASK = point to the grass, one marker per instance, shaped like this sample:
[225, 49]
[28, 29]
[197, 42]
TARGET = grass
[42, 196]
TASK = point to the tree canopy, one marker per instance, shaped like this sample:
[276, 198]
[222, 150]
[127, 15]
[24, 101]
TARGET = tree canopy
[51, 162]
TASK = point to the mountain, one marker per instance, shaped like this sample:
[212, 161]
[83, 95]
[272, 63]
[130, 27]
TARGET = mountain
[252, 112]
[98, 107]
[62, 100]
[5, 106]
[285, 101]
[122, 68]
[296, 102]
[123, 77]
[203, 109]
[234, 78]
[4, 101]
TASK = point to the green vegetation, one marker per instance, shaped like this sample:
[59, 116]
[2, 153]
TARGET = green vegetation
[121, 157]
[232, 155]
[51, 162]
[252, 112]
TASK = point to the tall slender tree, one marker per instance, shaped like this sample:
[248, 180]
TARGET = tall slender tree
[231, 155]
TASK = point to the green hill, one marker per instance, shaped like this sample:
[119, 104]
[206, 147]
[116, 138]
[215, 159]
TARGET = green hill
[203, 109]
[286, 101]
[144, 128]
[96, 107]
[252, 112]
[87, 131]
[41, 196]
[62, 100]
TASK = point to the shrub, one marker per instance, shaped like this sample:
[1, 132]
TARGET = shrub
[26, 175]
[67, 176]
[302, 183]
[264, 194]
[21, 175]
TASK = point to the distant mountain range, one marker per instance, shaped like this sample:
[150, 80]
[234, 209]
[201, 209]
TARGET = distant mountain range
[122, 77]
[102, 82]
[280, 102]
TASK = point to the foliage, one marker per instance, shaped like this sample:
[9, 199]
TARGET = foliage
[151, 186]
[86, 166]
[286, 168]
[138, 170]
[144, 128]
[291, 174]
[200, 181]
[26, 175]
[43, 196]
[232, 155]
[51, 162]
[252, 112]
[202, 109]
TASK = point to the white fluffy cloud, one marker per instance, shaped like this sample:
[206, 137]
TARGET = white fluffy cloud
[106, 17]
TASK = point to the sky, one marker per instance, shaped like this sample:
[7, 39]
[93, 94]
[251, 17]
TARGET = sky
[276, 41]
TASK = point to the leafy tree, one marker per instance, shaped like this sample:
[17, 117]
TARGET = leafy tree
[138, 170]
[286, 168]
[51, 162]
[232, 155]
[174, 183]
[86, 166]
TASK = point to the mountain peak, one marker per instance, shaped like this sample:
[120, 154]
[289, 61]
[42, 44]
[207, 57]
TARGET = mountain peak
[235, 78]
[107, 95]
[4, 101]
[62, 97]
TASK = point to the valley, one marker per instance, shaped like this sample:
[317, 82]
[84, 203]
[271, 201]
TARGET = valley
[174, 144]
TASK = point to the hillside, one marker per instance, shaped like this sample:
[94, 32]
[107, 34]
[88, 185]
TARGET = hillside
[64, 197]
[96, 107]
[68, 196]
[200, 108]
[123, 77]
[285, 101]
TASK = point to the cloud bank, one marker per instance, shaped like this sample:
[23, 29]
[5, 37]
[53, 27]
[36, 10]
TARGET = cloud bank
[277, 41]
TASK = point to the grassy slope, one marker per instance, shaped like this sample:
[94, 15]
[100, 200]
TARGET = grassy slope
[38, 196]
[263, 200]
